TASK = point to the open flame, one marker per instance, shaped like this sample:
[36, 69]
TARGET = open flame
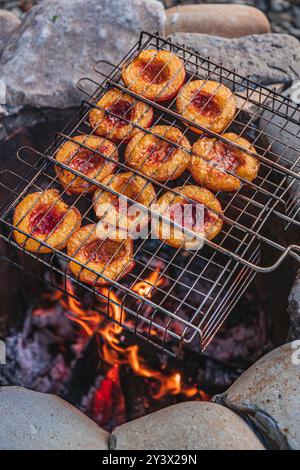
[145, 288]
[113, 352]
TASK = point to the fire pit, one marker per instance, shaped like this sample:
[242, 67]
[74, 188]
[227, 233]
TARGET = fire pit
[123, 350]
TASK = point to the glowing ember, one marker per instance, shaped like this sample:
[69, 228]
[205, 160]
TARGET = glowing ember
[106, 401]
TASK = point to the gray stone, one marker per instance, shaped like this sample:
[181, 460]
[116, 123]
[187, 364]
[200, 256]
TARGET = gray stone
[8, 24]
[294, 31]
[37, 421]
[279, 5]
[2, 130]
[282, 136]
[58, 42]
[283, 133]
[186, 426]
[296, 14]
[270, 58]
[268, 394]
[294, 310]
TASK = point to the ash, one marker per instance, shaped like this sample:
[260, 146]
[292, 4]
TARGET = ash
[36, 354]
[245, 337]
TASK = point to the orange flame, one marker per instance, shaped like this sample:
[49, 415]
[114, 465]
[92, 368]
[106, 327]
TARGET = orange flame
[88, 320]
[112, 351]
[145, 288]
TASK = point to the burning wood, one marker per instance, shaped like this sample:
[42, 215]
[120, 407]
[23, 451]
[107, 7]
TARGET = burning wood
[89, 360]
[108, 405]
[113, 350]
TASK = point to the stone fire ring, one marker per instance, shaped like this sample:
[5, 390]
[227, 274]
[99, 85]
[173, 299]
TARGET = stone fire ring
[260, 410]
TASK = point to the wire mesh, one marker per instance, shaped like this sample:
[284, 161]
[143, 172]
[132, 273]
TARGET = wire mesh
[173, 297]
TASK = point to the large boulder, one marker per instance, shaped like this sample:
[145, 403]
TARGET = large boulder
[37, 421]
[268, 395]
[186, 426]
[281, 132]
[8, 24]
[219, 20]
[247, 55]
[59, 41]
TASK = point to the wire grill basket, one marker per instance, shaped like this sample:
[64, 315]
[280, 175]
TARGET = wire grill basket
[189, 294]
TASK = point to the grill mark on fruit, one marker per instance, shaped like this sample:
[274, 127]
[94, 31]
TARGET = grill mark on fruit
[102, 251]
[209, 217]
[225, 157]
[206, 105]
[86, 161]
[160, 152]
[153, 72]
[123, 109]
[44, 220]
[193, 218]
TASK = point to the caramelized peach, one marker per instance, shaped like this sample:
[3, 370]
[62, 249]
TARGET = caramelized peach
[107, 257]
[85, 161]
[199, 216]
[157, 158]
[207, 103]
[156, 75]
[212, 158]
[44, 216]
[115, 213]
[123, 106]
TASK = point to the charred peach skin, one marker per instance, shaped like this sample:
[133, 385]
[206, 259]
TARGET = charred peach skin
[123, 106]
[207, 103]
[107, 205]
[212, 158]
[157, 158]
[107, 257]
[208, 227]
[48, 219]
[156, 75]
[85, 161]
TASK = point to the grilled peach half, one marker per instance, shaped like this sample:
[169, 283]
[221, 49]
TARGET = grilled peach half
[207, 103]
[118, 215]
[156, 75]
[198, 213]
[82, 156]
[96, 252]
[158, 158]
[213, 158]
[114, 105]
[44, 216]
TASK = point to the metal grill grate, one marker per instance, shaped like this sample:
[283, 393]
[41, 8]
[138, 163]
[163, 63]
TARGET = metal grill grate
[193, 291]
